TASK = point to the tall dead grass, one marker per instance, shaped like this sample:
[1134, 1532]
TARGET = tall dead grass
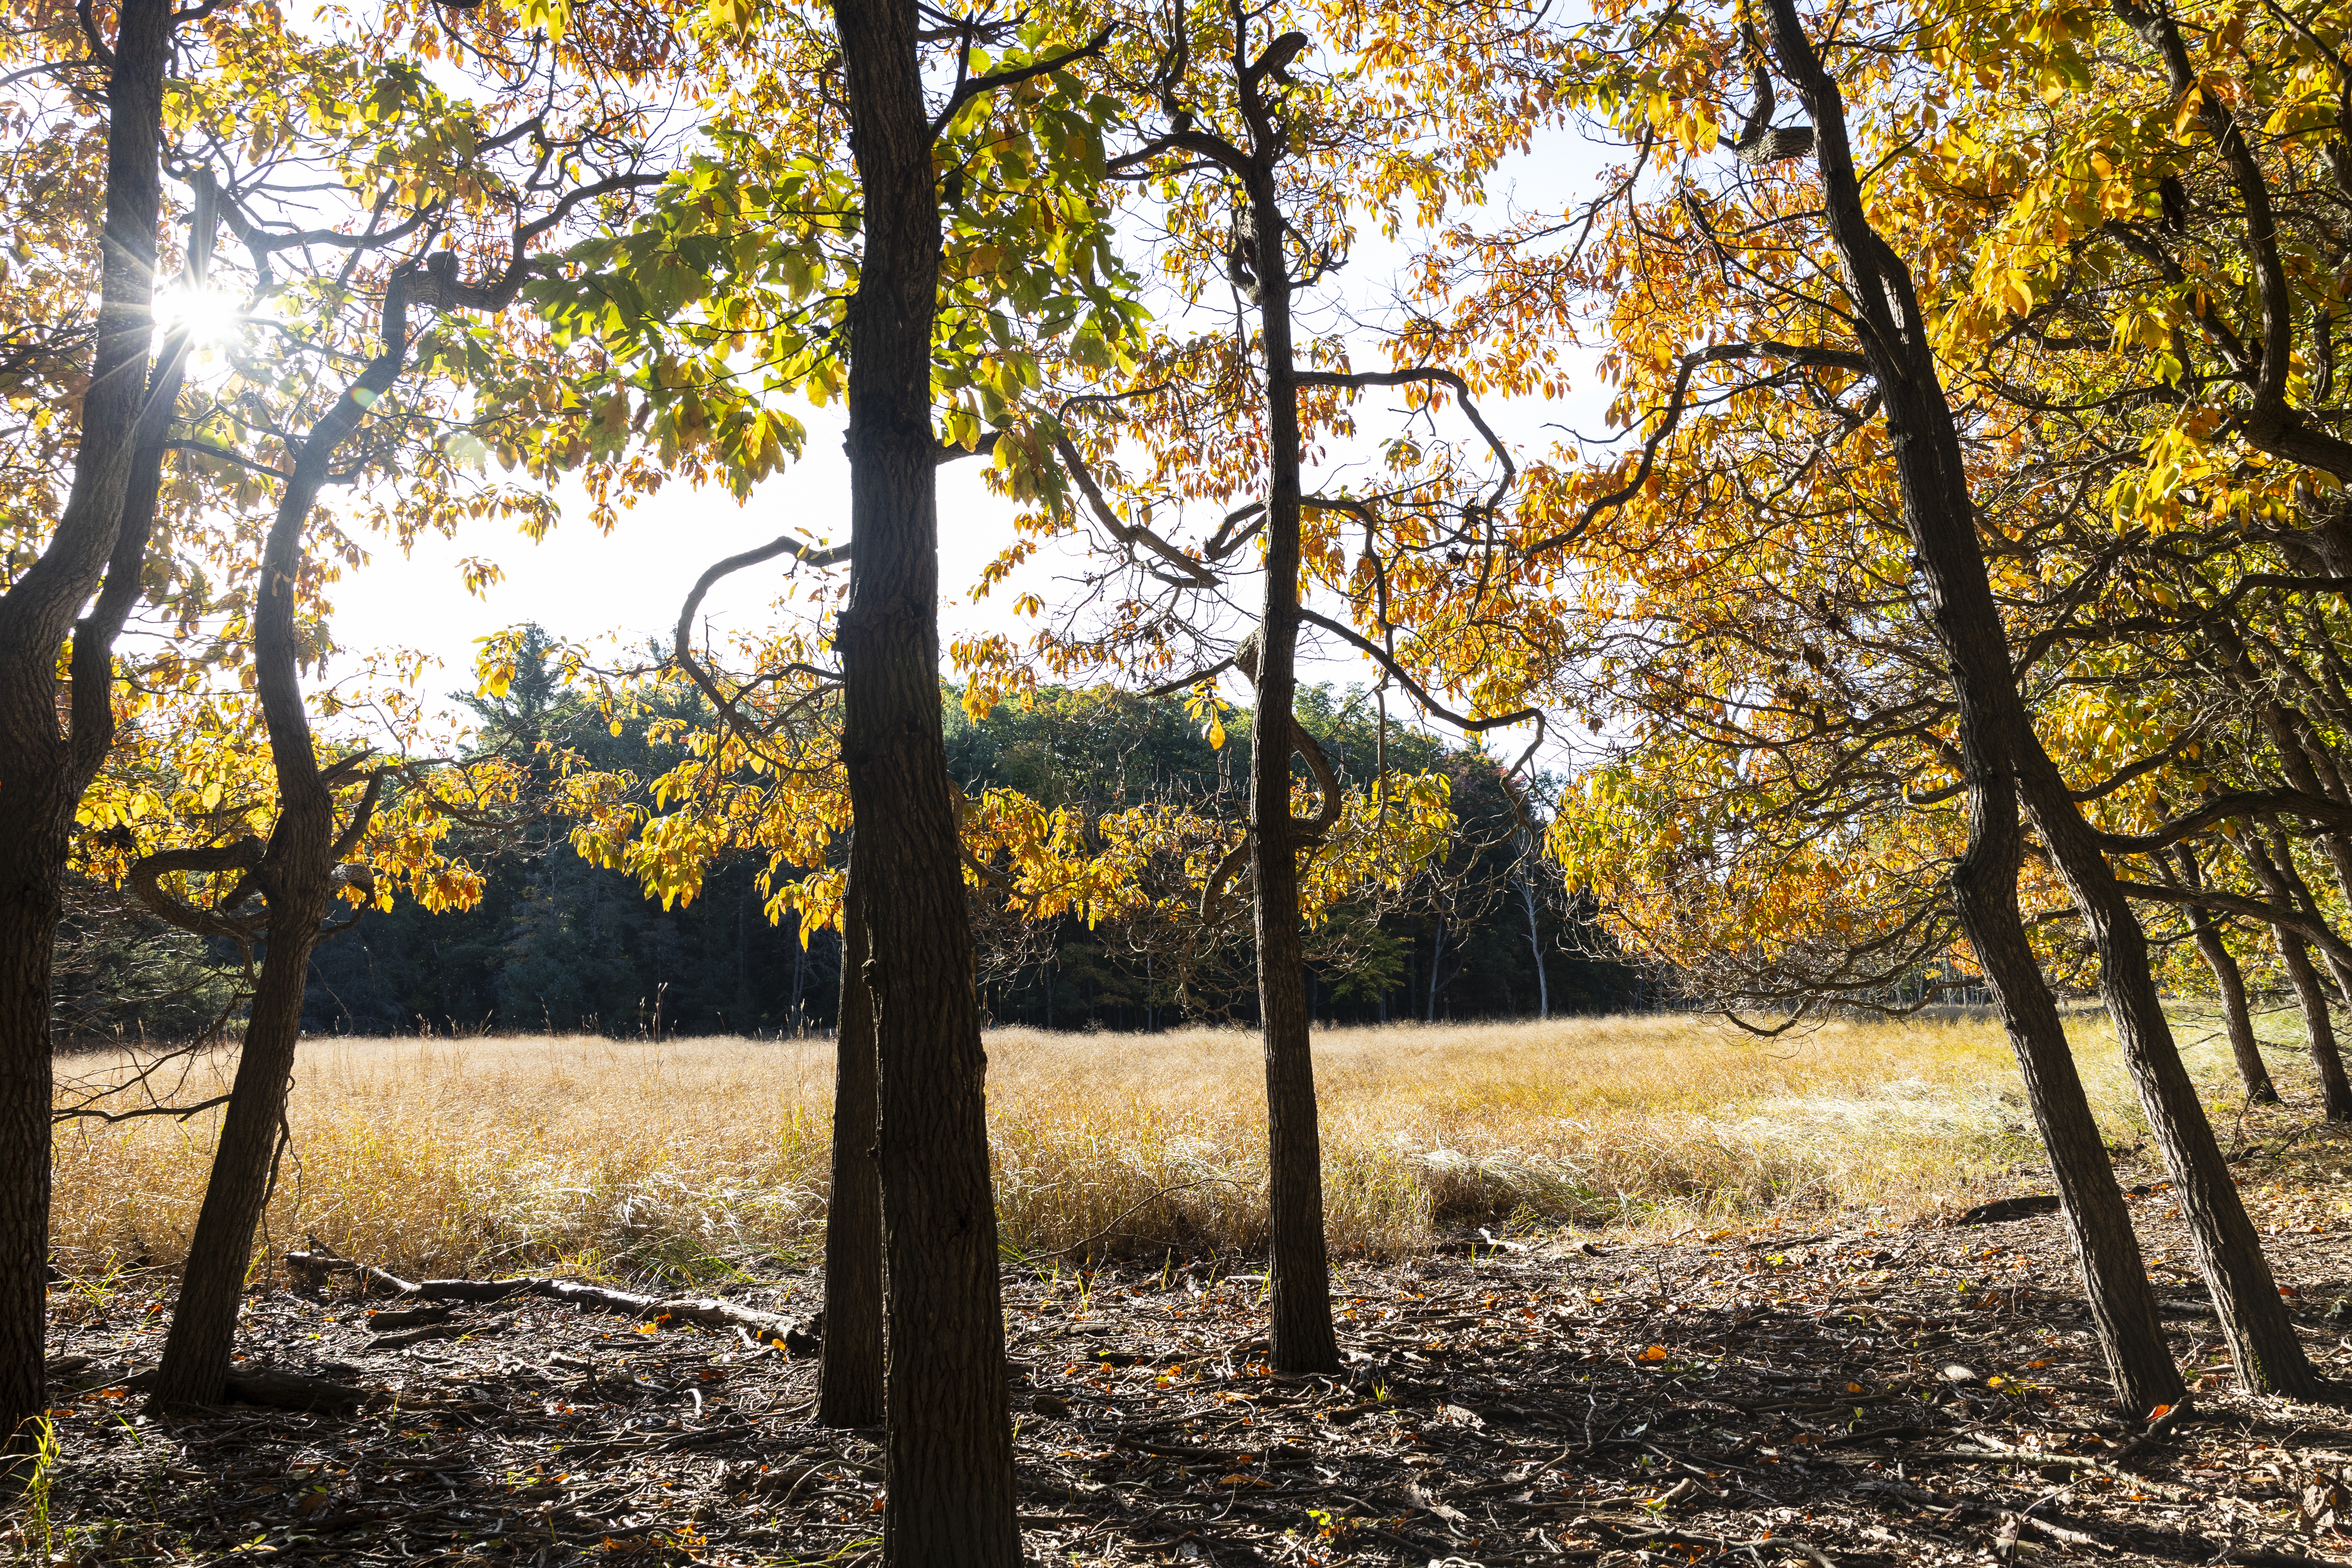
[698, 1156]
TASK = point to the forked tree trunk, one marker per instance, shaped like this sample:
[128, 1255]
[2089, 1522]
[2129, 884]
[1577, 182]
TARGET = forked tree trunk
[849, 1376]
[2001, 753]
[2261, 1336]
[43, 772]
[295, 877]
[949, 1444]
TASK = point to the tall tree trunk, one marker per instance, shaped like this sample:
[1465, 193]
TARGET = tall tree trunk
[1300, 1274]
[1436, 966]
[43, 771]
[2237, 1018]
[2000, 748]
[948, 1446]
[849, 1377]
[2230, 984]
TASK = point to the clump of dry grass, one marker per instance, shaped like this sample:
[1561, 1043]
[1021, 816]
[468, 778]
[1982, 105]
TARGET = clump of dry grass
[695, 1156]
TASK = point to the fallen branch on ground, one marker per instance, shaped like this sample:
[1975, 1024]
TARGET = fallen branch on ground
[794, 1334]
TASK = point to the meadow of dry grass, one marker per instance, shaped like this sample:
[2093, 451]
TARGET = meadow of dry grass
[696, 1156]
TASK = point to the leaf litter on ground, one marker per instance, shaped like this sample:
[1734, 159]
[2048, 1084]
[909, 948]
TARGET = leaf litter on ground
[1845, 1398]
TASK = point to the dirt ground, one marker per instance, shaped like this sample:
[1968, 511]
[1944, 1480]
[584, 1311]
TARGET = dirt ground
[1865, 1398]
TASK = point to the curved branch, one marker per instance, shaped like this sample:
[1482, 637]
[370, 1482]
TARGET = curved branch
[682, 646]
[2310, 927]
[2315, 808]
[146, 885]
[1446, 378]
[967, 91]
[1420, 693]
[1212, 897]
[1309, 831]
[1129, 533]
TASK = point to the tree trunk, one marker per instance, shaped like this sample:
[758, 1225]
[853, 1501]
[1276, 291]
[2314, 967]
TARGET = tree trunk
[1436, 964]
[295, 879]
[2262, 1338]
[199, 1348]
[849, 1377]
[948, 1446]
[2115, 1275]
[43, 772]
[1535, 947]
[2335, 1093]
[2280, 882]
[2230, 983]
[2000, 751]
[1300, 1273]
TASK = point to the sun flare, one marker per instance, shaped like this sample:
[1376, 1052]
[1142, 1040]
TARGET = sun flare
[210, 316]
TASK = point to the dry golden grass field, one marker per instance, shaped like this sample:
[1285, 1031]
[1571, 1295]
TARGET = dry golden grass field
[698, 1156]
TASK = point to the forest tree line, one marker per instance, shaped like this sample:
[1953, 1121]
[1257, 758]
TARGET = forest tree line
[558, 945]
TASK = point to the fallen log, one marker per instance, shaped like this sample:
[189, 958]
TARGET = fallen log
[274, 1388]
[2002, 1210]
[392, 1318]
[799, 1336]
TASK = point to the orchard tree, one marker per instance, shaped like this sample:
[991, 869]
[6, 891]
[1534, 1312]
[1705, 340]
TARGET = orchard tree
[89, 109]
[1265, 136]
[435, 189]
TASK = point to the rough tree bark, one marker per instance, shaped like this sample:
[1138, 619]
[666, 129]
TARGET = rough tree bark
[2114, 1275]
[949, 1445]
[2000, 745]
[43, 769]
[849, 1376]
